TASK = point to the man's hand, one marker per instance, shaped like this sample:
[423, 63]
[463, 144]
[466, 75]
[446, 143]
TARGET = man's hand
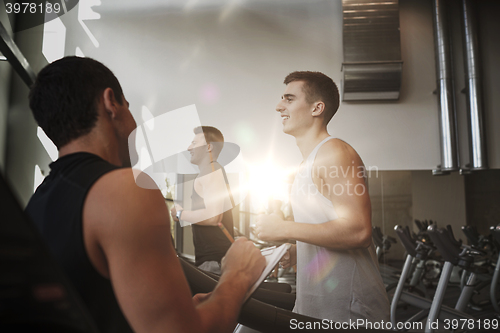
[289, 259]
[244, 260]
[200, 298]
[173, 212]
[270, 227]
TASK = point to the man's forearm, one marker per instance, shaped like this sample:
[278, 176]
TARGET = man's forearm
[220, 312]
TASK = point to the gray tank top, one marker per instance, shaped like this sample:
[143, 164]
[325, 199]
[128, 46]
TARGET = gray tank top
[333, 284]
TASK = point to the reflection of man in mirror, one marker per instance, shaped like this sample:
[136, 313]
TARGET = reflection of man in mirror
[211, 201]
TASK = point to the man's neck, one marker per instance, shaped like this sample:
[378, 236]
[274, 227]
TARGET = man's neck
[89, 144]
[309, 140]
[206, 167]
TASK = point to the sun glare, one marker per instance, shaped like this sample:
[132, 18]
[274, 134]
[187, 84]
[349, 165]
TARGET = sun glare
[267, 181]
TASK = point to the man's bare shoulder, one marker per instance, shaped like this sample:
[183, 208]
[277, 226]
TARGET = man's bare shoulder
[337, 152]
[117, 196]
[116, 212]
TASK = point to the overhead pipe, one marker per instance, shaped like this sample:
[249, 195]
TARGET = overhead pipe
[477, 140]
[447, 117]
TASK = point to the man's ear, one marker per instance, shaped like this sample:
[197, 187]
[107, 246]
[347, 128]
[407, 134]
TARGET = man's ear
[210, 147]
[110, 102]
[319, 108]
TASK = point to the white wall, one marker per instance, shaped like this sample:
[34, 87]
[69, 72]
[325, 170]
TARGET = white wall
[404, 134]
[168, 57]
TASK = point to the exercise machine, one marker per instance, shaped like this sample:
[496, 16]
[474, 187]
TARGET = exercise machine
[432, 310]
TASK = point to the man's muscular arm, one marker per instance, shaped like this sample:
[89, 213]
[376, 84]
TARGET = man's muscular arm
[127, 236]
[338, 174]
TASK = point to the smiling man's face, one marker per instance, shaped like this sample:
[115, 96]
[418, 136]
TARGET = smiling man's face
[296, 111]
[198, 148]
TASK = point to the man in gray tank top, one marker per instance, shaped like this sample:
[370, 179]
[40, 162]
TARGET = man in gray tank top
[337, 270]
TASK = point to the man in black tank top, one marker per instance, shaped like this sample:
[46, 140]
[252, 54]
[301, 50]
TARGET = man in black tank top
[211, 201]
[112, 237]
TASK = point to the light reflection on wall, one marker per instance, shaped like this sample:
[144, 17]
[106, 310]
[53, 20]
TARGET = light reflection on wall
[54, 40]
[49, 146]
[79, 52]
[85, 13]
[38, 179]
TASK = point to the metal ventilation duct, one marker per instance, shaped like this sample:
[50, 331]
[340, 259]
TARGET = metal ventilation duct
[372, 50]
[444, 74]
[477, 139]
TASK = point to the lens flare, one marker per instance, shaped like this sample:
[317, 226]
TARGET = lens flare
[267, 181]
[320, 267]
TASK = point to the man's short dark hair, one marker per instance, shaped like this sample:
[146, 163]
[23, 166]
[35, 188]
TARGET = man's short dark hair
[318, 87]
[212, 134]
[64, 97]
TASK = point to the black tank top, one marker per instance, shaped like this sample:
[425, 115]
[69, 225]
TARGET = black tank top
[210, 243]
[56, 208]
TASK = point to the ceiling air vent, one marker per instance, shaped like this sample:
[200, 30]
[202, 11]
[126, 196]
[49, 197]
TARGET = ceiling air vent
[372, 50]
